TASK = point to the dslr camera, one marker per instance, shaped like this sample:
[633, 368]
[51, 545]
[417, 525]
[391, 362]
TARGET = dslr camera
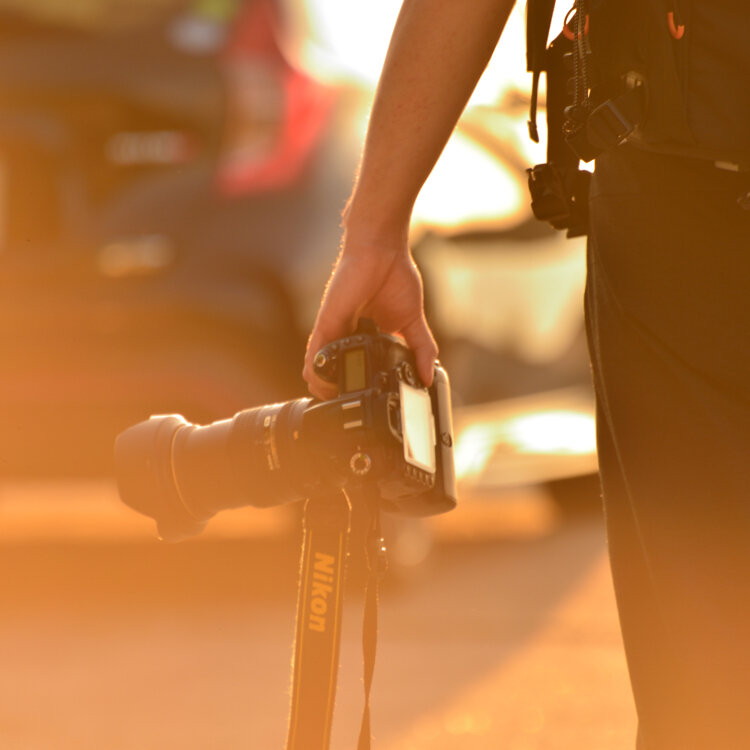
[385, 433]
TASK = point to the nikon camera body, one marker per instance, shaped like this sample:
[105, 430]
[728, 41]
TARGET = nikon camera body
[385, 431]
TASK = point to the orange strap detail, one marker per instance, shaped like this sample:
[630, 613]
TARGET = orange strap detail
[676, 30]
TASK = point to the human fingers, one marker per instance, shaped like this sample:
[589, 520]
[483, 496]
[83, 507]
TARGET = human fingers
[420, 340]
[318, 387]
[336, 318]
[321, 335]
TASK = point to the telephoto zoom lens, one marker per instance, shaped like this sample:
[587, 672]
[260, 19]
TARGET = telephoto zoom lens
[182, 474]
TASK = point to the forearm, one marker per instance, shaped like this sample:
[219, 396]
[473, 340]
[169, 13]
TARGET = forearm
[438, 51]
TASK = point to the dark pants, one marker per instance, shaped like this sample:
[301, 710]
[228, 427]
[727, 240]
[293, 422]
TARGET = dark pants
[668, 313]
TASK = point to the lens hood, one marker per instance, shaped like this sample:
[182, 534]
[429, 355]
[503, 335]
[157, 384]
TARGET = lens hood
[145, 476]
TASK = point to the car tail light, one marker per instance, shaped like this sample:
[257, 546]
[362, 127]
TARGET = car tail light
[275, 114]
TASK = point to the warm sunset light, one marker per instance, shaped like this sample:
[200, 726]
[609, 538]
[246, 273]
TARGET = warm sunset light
[346, 42]
[172, 177]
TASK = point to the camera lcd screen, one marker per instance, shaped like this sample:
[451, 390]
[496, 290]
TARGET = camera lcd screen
[355, 377]
[418, 426]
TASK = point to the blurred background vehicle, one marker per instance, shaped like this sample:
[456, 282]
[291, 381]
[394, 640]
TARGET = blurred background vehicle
[164, 170]
[171, 172]
[504, 293]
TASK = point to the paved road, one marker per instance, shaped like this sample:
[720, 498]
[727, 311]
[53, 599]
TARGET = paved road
[510, 643]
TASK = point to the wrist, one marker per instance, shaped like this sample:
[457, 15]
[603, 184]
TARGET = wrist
[369, 227]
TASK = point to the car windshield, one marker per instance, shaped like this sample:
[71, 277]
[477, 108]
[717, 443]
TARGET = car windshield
[94, 15]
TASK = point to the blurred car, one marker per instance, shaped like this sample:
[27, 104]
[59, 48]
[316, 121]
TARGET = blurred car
[169, 183]
[160, 177]
[504, 294]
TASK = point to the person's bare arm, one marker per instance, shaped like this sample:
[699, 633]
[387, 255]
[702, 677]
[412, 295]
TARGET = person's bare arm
[438, 51]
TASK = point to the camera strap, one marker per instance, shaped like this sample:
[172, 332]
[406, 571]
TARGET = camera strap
[320, 599]
[318, 631]
[376, 564]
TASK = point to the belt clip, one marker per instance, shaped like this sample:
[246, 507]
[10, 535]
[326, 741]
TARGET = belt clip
[608, 126]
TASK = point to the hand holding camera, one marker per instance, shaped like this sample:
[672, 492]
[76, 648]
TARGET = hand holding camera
[385, 286]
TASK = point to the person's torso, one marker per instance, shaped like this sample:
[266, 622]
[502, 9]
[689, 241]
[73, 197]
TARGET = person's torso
[695, 58]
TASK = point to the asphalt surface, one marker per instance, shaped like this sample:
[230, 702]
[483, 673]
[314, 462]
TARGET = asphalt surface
[503, 640]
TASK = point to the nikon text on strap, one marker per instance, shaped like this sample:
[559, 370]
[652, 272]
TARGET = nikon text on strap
[318, 631]
[328, 521]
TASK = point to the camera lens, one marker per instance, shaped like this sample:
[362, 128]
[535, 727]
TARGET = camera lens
[181, 474]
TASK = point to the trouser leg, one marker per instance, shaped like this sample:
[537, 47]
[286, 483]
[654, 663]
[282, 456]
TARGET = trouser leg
[669, 266]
